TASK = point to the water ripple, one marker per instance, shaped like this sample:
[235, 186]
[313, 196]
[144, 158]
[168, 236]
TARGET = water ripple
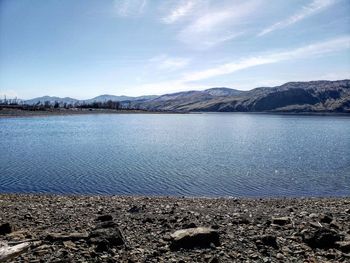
[196, 155]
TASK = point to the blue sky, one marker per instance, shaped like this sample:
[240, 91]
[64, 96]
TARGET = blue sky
[85, 48]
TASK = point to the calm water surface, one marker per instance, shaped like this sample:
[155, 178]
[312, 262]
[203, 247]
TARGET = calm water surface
[177, 154]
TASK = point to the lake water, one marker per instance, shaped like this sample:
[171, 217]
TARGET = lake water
[252, 155]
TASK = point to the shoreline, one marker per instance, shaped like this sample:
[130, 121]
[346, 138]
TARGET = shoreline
[5, 113]
[12, 113]
[84, 228]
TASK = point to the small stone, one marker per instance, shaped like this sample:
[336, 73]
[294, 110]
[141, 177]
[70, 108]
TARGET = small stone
[105, 238]
[321, 238]
[104, 218]
[69, 244]
[281, 221]
[106, 224]
[134, 209]
[269, 240]
[280, 256]
[214, 259]
[315, 225]
[243, 220]
[344, 246]
[335, 224]
[266, 260]
[5, 229]
[326, 218]
[313, 215]
[148, 220]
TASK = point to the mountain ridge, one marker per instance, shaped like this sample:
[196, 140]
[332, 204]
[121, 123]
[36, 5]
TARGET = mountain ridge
[311, 96]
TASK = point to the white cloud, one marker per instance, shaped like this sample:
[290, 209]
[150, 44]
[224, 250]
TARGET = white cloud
[180, 11]
[129, 7]
[216, 25]
[164, 62]
[299, 53]
[189, 80]
[228, 68]
[314, 7]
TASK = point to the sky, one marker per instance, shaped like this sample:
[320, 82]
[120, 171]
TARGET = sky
[85, 48]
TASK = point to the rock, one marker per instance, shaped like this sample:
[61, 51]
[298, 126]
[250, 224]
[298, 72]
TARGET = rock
[269, 240]
[5, 229]
[344, 246]
[214, 259]
[280, 256]
[106, 238]
[69, 244]
[104, 218]
[315, 225]
[326, 218]
[41, 248]
[335, 224]
[241, 220]
[18, 235]
[148, 220]
[194, 237]
[281, 221]
[134, 209]
[313, 215]
[321, 238]
[107, 224]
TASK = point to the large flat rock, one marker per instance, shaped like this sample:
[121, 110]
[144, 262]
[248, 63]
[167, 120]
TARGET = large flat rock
[194, 237]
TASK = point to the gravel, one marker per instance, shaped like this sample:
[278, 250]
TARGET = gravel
[146, 229]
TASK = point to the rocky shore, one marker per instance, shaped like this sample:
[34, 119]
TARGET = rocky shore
[49, 228]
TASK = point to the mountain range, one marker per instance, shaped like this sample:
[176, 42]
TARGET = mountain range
[312, 96]
[101, 98]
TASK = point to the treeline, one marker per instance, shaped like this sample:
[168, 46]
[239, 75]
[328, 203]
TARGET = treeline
[6, 101]
[114, 105]
[47, 105]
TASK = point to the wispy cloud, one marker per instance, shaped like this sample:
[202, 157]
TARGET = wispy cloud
[126, 8]
[314, 7]
[183, 9]
[165, 62]
[221, 24]
[303, 52]
[188, 81]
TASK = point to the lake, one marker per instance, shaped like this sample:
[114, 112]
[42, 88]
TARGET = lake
[211, 154]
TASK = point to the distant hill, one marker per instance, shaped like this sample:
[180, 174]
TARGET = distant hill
[104, 98]
[312, 96]
[51, 100]
[101, 98]
[224, 92]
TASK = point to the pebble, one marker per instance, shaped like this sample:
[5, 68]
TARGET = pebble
[142, 229]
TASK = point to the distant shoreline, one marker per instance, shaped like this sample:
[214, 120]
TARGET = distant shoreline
[6, 113]
[9, 113]
[280, 113]
[97, 228]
